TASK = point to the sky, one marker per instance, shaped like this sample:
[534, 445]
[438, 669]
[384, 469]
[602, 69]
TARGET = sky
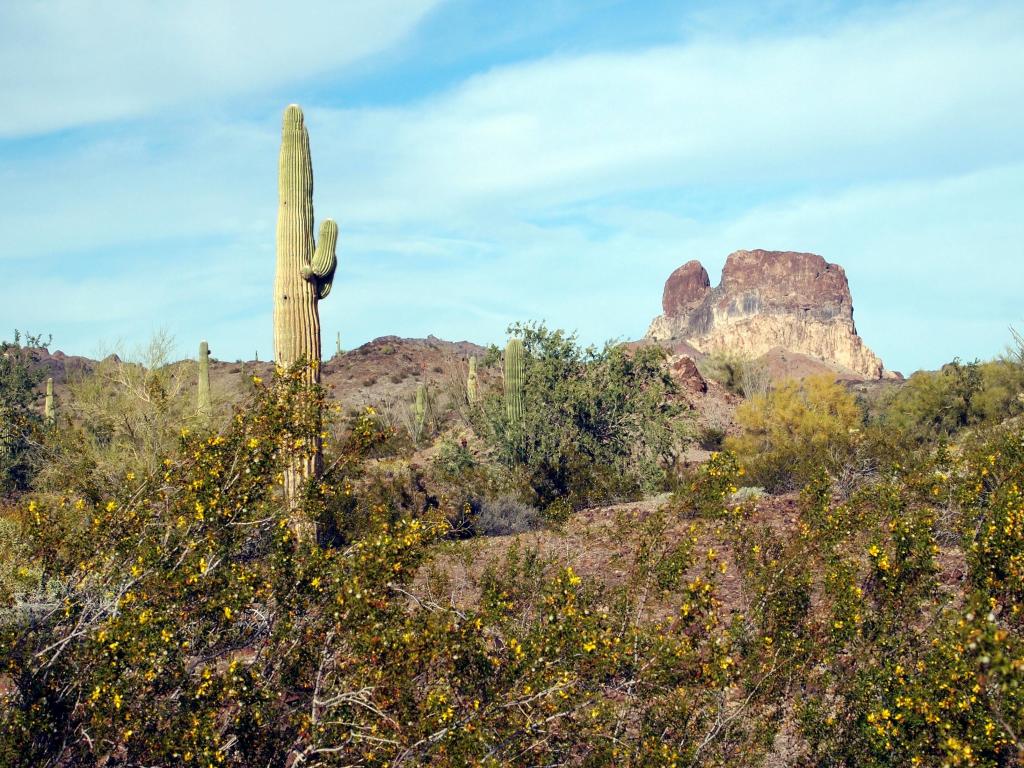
[493, 162]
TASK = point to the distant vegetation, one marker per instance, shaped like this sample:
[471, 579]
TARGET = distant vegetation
[161, 611]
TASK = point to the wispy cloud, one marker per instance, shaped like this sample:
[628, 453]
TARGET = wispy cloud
[922, 91]
[68, 63]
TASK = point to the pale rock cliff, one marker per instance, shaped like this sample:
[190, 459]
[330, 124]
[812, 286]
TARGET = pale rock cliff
[767, 300]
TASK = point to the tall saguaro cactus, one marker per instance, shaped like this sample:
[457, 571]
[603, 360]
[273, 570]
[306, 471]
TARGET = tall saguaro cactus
[472, 384]
[49, 412]
[203, 400]
[304, 275]
[514, 373]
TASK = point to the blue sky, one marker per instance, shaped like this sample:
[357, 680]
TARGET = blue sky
[491, 162]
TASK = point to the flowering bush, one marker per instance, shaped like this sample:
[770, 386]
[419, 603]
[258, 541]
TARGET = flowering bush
[184, 624]
[192, 630]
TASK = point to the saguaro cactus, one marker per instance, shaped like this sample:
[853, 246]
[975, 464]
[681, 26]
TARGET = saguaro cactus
[48, 410]
[472, 386]
[337, 344]
[514, 372]
[203, 400]
[304, 275]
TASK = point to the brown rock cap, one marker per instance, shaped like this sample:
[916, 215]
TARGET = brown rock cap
[685, 288]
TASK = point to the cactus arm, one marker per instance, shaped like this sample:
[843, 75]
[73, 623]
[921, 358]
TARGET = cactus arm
[325, 259]
[320, 270]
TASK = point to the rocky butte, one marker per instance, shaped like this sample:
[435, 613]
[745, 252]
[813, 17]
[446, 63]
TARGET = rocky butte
[767, 302]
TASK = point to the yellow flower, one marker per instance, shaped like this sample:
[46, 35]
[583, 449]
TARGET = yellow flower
[227, 613]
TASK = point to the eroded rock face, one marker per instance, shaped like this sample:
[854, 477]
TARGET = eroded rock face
[767, 300]
[685, 289]
[683, 370]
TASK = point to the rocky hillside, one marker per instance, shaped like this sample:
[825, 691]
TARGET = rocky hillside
[772, 304]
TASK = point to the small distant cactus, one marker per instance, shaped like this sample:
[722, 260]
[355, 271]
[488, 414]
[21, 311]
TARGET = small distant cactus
[472, 385]
[203, 404]
[48, 409]
[419, 409]
[514, 374]
[337, 343]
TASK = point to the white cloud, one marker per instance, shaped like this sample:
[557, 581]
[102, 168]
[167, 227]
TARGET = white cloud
[68, 63]
[908, 93]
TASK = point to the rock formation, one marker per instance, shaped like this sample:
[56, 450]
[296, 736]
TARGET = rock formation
[766, 300]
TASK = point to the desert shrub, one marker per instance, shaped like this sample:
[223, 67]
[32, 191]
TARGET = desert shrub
[793, 430]
[18, 574]
[21, 423]
[990, 500]
[710, 438]
[705, 490]
[933, 405]
[739, 375]
[454, 459]
[505, 516]
[192, 630]
[121, 417]
[466, 481]
[597, 424]
[179, 589]
[914, 673]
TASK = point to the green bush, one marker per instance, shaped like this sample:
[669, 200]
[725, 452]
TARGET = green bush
[121, 418]
[937, 405]
[597, 424]
[21, 422]
[793, 430]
